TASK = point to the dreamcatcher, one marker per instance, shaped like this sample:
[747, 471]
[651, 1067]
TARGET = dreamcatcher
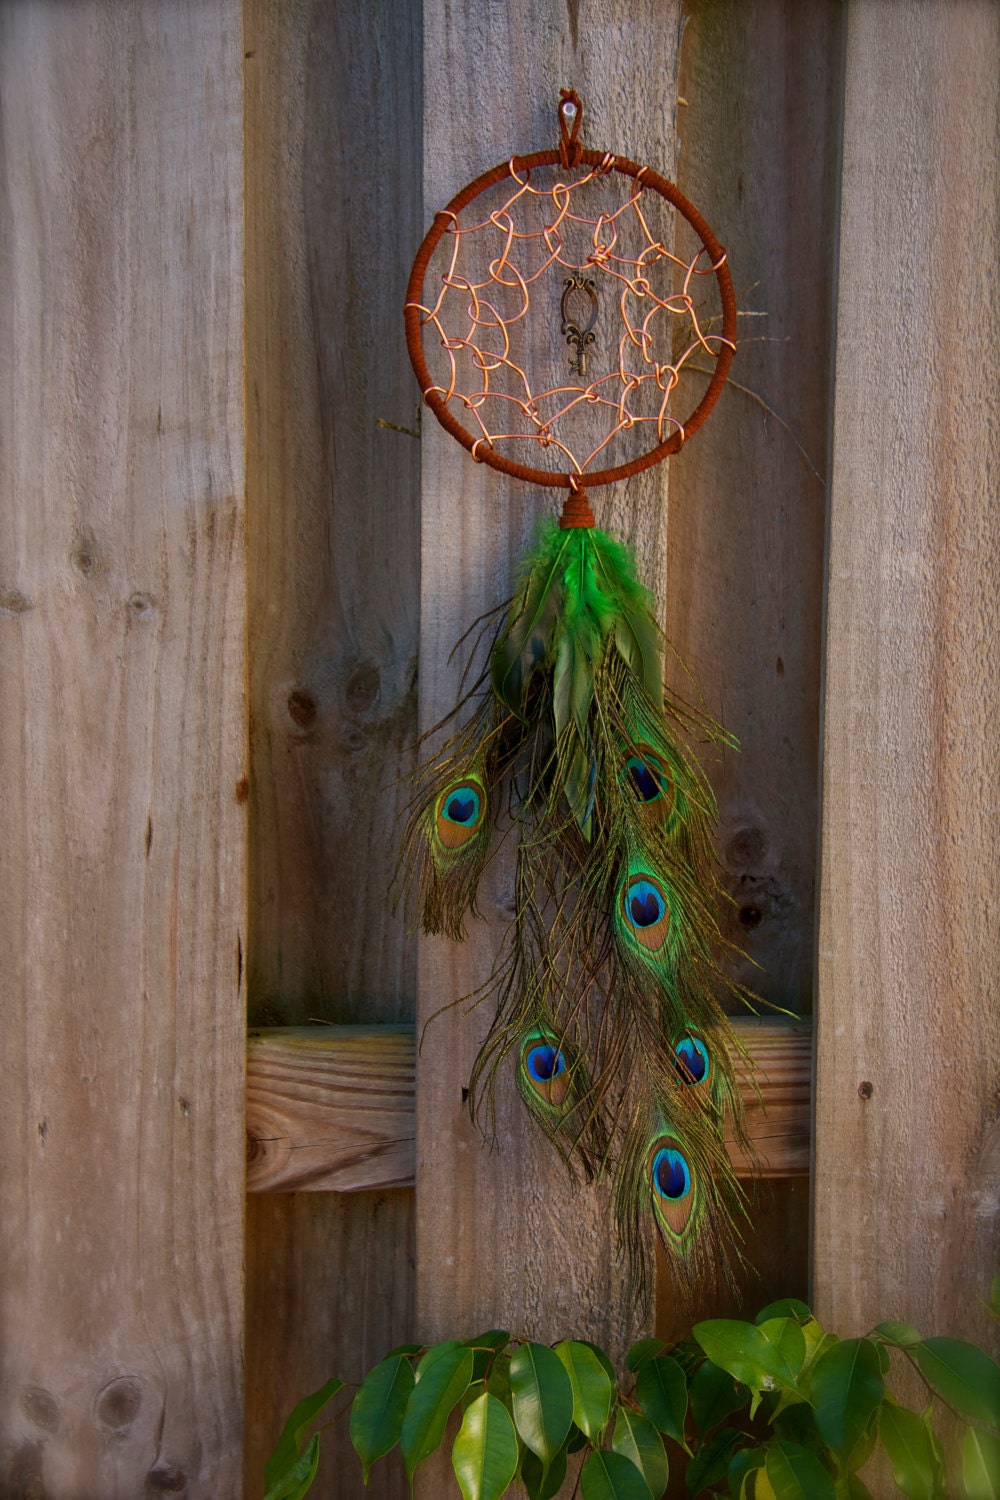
[554, 315]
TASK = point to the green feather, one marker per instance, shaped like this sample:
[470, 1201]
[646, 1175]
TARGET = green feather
[610, 972]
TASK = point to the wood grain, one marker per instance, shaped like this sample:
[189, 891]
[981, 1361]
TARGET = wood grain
[501, 1239]
[907, 1216]
[759, 133]
[333, 216]
[332, 1108]
[744, 599]
[122, 749]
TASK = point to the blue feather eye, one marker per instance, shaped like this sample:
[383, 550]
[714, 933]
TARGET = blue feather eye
[545, 1062]
[544, 1067]
[644, 907]
[677, 1203]
[459, 813]
[647, 775]
[671, 1174]
[692, 1061]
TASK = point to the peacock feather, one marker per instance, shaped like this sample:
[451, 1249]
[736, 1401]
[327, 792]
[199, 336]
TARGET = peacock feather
[608, 989]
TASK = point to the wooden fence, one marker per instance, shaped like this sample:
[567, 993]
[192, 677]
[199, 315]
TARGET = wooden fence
[219, 576]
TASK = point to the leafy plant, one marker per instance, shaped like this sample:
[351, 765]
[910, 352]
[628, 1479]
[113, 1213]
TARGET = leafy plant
[777, 1409]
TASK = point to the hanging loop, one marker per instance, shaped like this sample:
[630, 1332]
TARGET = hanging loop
[570, 120]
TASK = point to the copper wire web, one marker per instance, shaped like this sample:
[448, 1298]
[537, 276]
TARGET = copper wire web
[501, 276]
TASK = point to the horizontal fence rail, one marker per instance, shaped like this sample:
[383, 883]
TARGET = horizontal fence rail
[331, 1108]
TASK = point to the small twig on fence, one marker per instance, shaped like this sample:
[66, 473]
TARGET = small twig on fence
[413, 432]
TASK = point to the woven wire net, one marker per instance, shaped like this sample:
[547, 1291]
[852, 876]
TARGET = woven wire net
[571, 318]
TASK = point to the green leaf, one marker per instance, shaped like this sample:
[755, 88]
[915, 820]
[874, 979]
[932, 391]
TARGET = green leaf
[796, 1474]
[644, 1350]
[899, 1335]
[797, 1424]
[494, 1338]
[602, 1360]
[845, 1387]
[592, 1390]
[714, 1395]
[294, 1484]
[542, 1399]
[995, 1296]
[611, 1476]
[541, 1482]
[786, 1335]
[745, 1462]
[711, 1460]
[817, 1343]
[498, 1380]
[762, 1487]
[981, 1465]
[484, 1455]
[435, 1351]
[661, 1391]
[864, 1447]
[286, 1452]
[638, 1440]
[965, 1376]
[440, 1386]
[379, 1408]
[907, 1442]
[485, 1347]
[751, 1354]
[787, 1307]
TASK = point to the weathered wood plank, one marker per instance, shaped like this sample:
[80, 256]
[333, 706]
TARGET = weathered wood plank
[333, 216]
[907, 1141]
[747, 514]
[122, 749]
[332, 1108]
[501, 1238]
[759, 137]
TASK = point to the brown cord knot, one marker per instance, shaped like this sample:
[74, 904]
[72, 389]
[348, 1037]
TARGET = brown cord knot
[570, 120]
[576, 511]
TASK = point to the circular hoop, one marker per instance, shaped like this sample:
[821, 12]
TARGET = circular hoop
[479, 447]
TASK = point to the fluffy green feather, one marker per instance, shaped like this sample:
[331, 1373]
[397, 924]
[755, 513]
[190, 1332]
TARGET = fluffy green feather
[610, 975]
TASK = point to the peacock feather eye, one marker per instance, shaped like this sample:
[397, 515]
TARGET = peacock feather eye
[648, 776]
[645, 910]
[544, 1067]
[675, 1200]
[459, 813]
[692, 1060]
[671, 1174]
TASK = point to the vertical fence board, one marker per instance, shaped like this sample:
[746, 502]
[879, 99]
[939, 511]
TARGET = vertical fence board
[759, 133]
[906, 1222]
[122, 863]
[333, 143]
[501, 1236]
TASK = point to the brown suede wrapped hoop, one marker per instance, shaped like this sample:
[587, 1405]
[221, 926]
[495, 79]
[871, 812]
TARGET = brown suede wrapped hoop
[604, 163]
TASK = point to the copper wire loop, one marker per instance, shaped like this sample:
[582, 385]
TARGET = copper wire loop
[629, 275]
